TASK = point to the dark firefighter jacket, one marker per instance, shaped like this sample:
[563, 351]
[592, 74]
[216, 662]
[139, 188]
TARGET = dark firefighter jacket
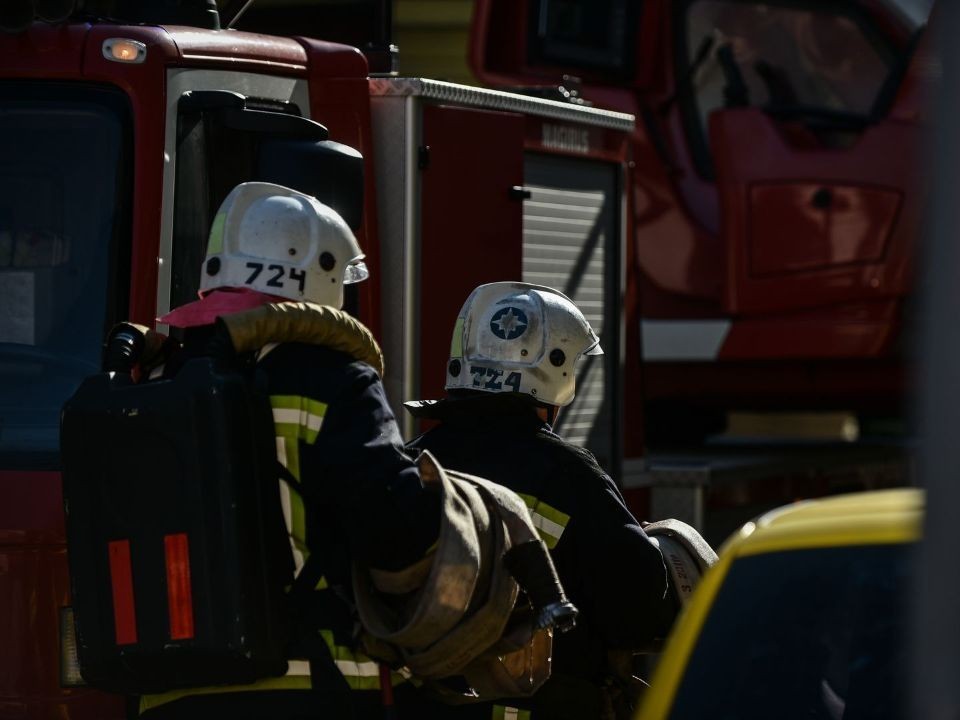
[357, 495]
[609, 568]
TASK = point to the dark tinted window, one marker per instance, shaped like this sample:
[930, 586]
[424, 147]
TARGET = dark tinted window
[211, 161]
[64, 210]
[917, 11]
[595, 34]
[815, 57]
[812, 634]
[820, 63]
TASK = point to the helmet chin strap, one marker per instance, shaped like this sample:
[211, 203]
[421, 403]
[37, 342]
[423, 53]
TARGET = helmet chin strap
[548, 413]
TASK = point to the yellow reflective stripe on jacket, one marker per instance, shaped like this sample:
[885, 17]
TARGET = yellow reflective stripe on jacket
[548, 521]
[360, 672]
[297, 417]
[297, 678]
[505, 712]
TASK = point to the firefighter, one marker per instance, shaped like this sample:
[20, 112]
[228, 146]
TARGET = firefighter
[354, 494]
[511, 369]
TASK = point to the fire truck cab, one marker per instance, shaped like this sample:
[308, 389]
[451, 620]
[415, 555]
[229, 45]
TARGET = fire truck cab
[776, 199]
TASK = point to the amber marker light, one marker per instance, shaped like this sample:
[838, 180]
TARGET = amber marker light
[125, 51]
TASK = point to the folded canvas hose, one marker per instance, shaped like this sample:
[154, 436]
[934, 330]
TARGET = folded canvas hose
[302, 322]
[686, 554]
[453, 614]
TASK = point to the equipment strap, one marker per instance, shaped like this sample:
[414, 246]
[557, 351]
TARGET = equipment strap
[312, 571]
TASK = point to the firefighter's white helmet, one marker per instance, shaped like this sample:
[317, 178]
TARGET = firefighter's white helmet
[279, 241]
[514, 337]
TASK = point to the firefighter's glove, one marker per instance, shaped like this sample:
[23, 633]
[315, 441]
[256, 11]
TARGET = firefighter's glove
[531, 566]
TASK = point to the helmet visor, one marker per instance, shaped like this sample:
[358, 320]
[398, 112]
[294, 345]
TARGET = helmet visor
[355, 272]
[595, 350]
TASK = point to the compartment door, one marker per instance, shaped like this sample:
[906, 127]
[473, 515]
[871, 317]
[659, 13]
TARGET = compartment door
[470, 221]
[807, 226]
[571, 242]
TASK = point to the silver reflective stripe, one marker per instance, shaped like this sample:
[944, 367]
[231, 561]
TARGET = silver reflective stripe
[548, 526]
[358, 669]
[298, 417]
[297, 668]
[549, 521]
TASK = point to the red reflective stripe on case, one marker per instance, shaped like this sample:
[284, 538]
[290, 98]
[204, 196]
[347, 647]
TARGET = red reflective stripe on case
[179, 598]
[121, 582]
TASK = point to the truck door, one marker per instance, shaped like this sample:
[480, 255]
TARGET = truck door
[788, 115]
[470, 220]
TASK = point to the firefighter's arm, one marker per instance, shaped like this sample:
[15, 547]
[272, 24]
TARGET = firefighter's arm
[357, 463]
[625, 577]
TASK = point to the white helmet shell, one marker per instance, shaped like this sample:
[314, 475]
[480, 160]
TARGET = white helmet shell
[514, 337]
[281, 242]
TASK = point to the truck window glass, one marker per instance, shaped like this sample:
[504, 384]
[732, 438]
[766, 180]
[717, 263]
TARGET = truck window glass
[64, 222]
[593, 34]
[804, 634]
[211, 161]
[916, 11]
[795, 60]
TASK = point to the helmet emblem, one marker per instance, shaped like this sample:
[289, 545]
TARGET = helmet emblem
[508, 323]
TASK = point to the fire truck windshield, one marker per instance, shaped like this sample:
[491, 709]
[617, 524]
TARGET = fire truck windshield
[812, 63]
[64, 207]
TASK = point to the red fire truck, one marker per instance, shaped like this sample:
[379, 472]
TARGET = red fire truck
[776, 203]
[124, 125]
[744, 242]
[775, 196]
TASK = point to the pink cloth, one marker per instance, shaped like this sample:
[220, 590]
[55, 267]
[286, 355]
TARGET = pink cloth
[215, 303]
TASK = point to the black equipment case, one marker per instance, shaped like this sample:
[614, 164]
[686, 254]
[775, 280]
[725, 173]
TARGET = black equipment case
[177, 548]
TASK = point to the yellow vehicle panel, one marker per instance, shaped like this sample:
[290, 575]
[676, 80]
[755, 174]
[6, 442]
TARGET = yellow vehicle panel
[873, 518]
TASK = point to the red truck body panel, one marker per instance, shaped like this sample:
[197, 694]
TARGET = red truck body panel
[34, 585]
